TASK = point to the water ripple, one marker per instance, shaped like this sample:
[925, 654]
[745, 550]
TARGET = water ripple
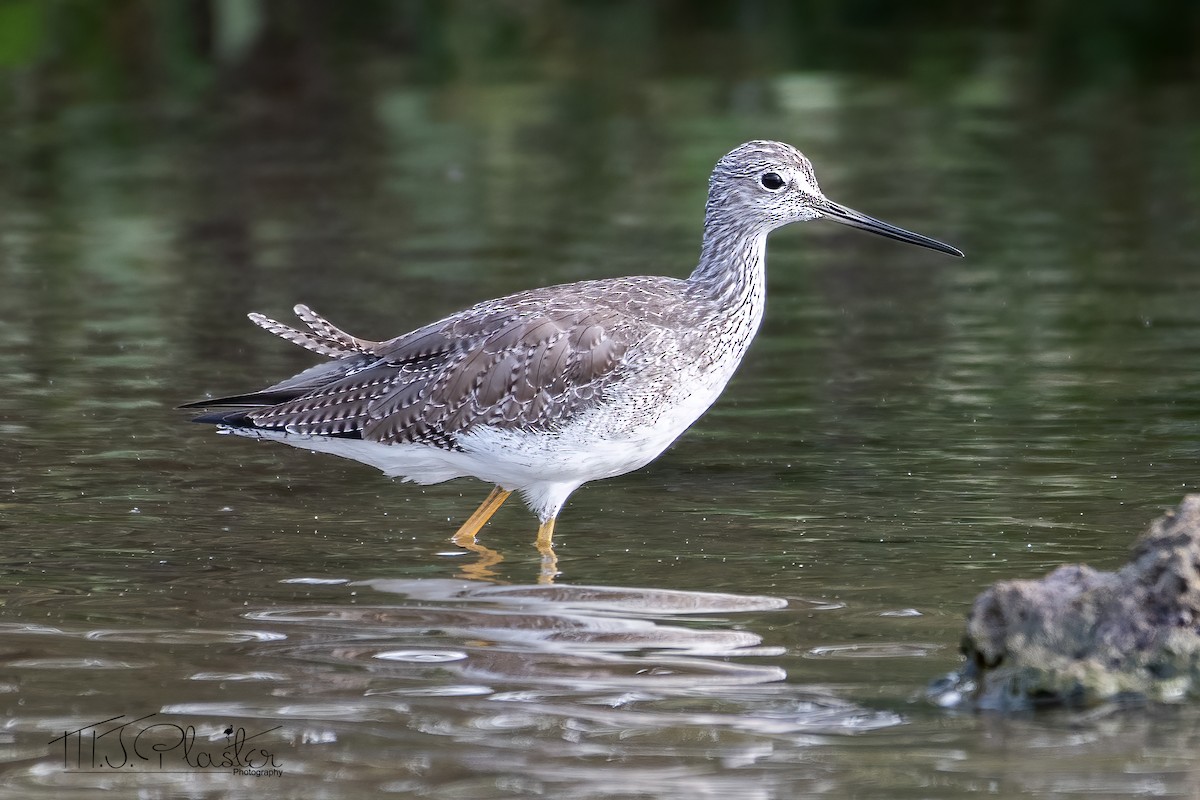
[593, 598]
[876, 650]
[86, 663]
[591, 662]
[191, 636]
[421, 656]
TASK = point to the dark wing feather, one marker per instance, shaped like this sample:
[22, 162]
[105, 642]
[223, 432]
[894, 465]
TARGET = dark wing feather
[528, 361]
[522, 373]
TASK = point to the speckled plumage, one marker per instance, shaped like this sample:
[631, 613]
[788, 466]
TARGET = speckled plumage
[543, 390]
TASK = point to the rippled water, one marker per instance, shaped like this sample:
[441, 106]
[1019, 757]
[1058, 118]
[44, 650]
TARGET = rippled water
[755, 614]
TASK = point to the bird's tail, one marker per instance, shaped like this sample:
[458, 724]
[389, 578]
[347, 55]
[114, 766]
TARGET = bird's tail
[325, 338]
[348, 353]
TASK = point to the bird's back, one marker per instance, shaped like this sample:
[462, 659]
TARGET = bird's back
[529, 361]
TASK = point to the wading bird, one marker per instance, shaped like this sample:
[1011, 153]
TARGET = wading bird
[544, 390]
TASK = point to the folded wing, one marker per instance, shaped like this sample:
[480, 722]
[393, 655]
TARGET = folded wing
[519, 366]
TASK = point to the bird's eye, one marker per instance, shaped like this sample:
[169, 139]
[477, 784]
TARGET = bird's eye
[771, 181]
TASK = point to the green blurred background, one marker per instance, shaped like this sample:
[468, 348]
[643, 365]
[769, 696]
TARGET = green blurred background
[70, 50]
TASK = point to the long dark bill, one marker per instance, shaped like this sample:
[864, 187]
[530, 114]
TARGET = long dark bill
[848, 216]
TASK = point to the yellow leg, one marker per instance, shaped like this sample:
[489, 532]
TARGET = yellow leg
[482, 514]
[465, 538]
[545, 546]
[545, 534]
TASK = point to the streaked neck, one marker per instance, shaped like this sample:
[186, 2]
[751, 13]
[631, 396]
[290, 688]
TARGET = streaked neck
[732, 262]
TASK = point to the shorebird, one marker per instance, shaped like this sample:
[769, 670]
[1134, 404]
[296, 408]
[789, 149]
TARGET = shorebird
[544, 390]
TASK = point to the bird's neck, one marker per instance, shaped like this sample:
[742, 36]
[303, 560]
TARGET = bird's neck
[732, 268]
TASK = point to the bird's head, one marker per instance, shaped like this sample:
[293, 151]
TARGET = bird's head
[765, 185]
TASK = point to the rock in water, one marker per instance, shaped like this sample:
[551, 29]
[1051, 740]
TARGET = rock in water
[1080, 637]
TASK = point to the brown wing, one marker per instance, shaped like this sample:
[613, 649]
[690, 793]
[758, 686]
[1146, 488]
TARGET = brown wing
[513, 365]
[527, 361]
